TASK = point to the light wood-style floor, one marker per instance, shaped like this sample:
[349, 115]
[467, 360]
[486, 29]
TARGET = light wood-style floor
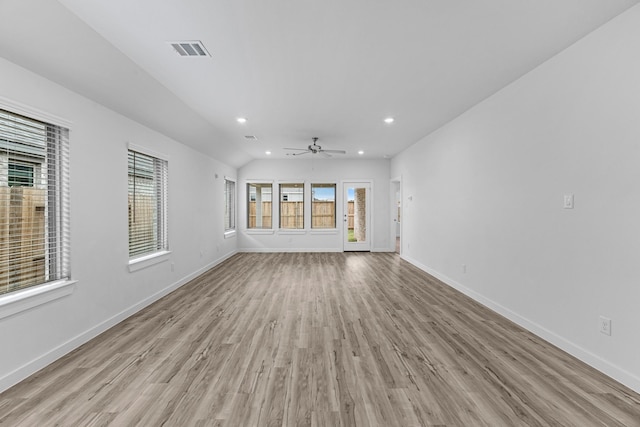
[351, 339]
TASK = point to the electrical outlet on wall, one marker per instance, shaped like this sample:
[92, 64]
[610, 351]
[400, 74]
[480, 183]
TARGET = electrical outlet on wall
[604, 323]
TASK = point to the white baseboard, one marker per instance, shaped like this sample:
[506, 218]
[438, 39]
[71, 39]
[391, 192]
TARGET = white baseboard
[288, 250]
[295, 250]
[51, 356]
[621, 375]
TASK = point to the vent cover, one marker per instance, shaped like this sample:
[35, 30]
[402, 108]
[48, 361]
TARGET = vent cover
[251, 137]
[189, 48]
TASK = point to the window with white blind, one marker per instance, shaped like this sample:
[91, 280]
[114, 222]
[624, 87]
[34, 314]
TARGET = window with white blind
[229, 205]
[147, 204]
[34, 202]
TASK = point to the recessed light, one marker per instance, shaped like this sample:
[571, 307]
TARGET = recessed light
[361, 152]
[389, 120]
[241, 120]
[268, 153]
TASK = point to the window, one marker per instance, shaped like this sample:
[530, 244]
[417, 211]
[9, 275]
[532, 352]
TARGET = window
[34, 202]
[291, 206]
[259, 205]
[323, 206]
[147, 204]
[229, 205]
[20, 174]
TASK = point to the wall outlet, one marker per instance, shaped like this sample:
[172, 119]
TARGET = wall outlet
[604, 324]
[464, 268]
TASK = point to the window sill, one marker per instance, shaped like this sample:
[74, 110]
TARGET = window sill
[229, 234]
[26, 299]
[324, 231]
[292, 231]
[145, 261]
[259, 231]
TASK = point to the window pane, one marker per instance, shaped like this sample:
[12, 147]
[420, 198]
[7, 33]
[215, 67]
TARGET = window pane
[34, 208]
[259, 205]
[20, 175]
[147, 204]
[323, 205]
[292, 206]
[229, 205]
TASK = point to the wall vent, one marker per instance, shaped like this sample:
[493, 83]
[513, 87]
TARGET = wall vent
[251, 137]
[189, 48]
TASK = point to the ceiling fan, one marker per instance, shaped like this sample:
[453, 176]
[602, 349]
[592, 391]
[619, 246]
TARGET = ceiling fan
[314, 149]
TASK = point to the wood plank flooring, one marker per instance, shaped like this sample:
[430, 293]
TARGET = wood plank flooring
[318, 339]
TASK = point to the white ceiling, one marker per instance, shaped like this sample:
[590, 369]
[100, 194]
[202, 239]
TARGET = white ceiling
[294, 68]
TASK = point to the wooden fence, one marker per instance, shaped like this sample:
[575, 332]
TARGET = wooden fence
[291, 214]
[142, 224]
[266, 215]
[22, 237]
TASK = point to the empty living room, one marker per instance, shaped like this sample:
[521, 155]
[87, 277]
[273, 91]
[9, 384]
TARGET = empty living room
[336, 213]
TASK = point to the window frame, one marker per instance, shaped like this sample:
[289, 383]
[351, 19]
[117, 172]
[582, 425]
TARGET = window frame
[258, 183]
[335, 203]
[298, 216]
[230, 207]
[161, 252]
[50, 172]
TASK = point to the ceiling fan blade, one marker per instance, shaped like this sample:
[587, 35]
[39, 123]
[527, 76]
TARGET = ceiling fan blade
[298, 154]
[297, 149]
[324, 153]
[334, 151]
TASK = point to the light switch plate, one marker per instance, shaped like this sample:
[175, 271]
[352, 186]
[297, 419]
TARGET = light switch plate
[568, 201]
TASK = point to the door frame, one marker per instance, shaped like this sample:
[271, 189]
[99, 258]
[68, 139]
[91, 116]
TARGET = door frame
[370, 217]
[396, 183]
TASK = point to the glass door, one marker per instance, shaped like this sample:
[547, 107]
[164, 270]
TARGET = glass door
[357, 217]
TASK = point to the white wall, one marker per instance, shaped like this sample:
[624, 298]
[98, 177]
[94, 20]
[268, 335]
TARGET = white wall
[487, 192]
[106, 292]
[320, 170]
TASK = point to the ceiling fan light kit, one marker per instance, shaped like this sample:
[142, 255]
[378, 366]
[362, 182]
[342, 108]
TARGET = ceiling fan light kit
[314, 149]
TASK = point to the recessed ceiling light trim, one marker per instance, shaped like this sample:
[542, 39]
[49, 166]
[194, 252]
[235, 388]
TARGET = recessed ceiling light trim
[389, 120]
[189, 48]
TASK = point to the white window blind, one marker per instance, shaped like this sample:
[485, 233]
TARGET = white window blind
[229, 205]
[147, 204]
[34, 202]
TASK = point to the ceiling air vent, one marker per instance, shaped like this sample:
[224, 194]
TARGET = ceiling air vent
[251, 137]
[189, 48]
